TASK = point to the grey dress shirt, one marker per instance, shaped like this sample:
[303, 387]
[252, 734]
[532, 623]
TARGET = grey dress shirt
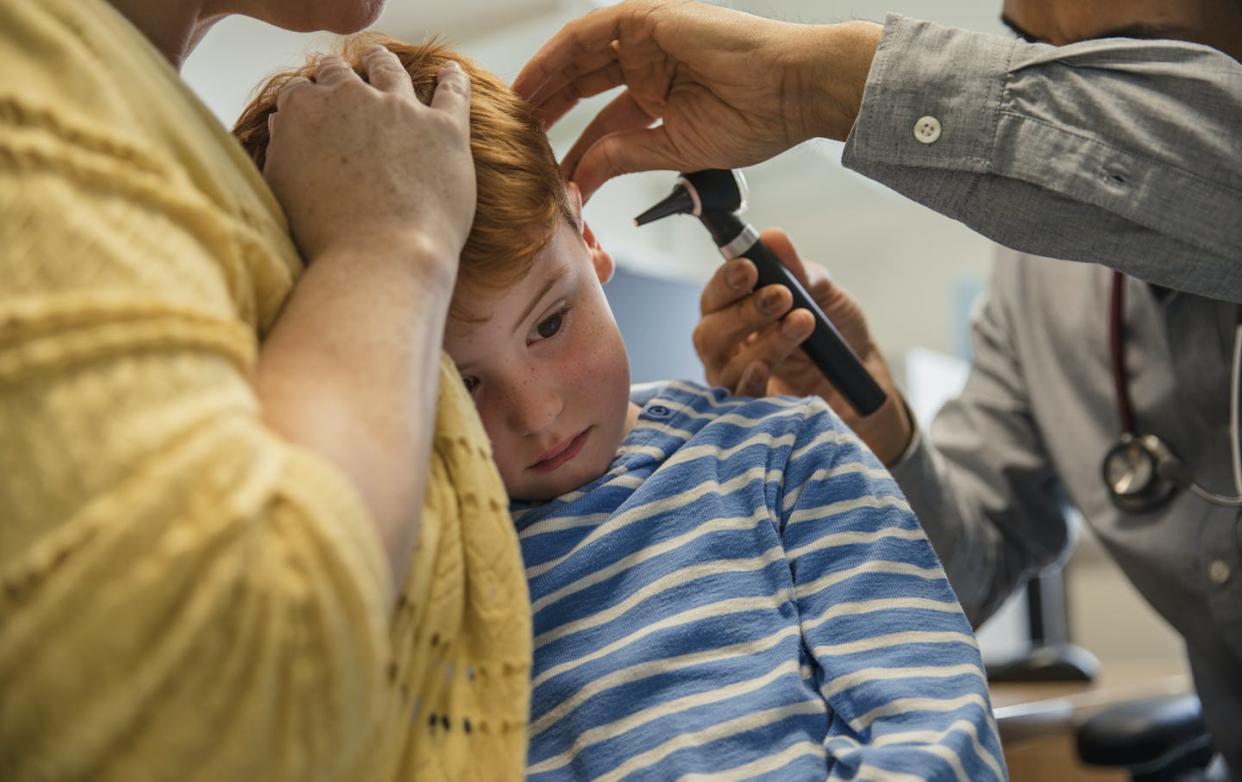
[1125, 153]
[1117, 151]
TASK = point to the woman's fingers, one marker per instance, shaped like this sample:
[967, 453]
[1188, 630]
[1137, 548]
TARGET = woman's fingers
[333, 70]
[287, 91]
[385, 73]
[452, 91]
[353, 163]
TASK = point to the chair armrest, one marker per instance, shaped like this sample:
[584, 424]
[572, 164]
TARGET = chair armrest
[1151, 735]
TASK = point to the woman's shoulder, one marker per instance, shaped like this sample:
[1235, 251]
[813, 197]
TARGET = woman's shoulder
[90, 104]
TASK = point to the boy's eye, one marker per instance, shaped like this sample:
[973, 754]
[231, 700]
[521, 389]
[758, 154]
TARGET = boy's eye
[471, 382]
[551, 325]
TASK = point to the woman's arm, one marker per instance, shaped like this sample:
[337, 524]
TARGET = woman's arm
[181, 587]
[379, 190]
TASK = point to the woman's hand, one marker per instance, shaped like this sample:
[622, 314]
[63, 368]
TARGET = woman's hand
[357, 164]
[380, 193]
[748, 342]
[731, 89]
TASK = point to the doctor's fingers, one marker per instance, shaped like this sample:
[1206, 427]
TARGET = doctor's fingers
[761, 357]
[600, 73]
[626, 152]
[577, 48]
[720, 333]
[732, 281]
[783, 248]
[621, 113]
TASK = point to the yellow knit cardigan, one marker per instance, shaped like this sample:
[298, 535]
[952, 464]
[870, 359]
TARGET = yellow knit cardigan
[184, 595]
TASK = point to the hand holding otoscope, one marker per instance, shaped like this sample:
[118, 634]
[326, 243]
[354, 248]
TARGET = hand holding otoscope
[716, 197]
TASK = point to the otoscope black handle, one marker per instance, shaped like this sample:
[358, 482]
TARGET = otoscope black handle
[826, 347]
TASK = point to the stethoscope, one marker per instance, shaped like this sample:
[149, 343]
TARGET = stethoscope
[1140, 471]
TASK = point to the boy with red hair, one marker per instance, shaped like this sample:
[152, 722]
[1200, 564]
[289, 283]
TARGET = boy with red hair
[721, 586]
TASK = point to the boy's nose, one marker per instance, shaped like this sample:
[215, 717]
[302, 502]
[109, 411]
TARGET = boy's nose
[533, 409]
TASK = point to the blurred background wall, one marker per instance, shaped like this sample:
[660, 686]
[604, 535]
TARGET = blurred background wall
[915, 273]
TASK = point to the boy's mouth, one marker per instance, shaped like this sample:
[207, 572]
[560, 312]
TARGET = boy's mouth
[561, 452]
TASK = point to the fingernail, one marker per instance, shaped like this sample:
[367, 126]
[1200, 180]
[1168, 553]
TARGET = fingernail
[753, 380]
[743, 385]
[770, 300]
[451, 65]
[736, 277]
[793, 329]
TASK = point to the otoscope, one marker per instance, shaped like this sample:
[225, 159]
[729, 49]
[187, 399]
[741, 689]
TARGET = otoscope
[717, 197]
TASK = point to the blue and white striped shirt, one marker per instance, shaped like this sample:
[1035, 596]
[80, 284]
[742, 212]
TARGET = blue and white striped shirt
[746, 594]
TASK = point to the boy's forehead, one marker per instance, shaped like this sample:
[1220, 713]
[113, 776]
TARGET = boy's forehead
[507, 305]
[478, 301]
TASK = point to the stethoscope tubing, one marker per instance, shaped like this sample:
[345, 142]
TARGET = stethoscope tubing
[1125, 405]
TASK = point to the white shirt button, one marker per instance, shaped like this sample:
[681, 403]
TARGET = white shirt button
[1218, 571]
[927, 130]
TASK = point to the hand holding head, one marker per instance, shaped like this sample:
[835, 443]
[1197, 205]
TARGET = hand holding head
[729, 89]
[355, 161]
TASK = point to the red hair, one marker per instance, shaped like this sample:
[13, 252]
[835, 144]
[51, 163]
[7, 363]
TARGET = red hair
[520, 190]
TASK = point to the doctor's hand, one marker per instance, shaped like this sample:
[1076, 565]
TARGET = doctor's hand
[729, 89]
[748, 342]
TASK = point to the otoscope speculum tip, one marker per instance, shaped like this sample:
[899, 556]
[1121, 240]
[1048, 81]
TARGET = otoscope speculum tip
[678, 202]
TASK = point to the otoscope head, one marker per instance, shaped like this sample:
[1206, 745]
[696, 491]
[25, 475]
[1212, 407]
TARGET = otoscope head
[713, 190]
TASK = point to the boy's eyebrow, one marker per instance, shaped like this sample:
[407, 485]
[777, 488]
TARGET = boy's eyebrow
[547, 286]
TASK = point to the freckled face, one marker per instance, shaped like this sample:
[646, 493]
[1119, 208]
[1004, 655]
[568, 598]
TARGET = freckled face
[547, 371]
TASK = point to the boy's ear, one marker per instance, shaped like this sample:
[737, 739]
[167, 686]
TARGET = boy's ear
[575, 199]
[600, 259]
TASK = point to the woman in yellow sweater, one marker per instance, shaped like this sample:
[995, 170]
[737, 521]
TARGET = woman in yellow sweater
[213, 563]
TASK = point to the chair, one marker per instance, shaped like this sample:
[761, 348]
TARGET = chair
[1159, 739]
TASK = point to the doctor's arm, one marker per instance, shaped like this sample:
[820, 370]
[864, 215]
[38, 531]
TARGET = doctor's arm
[980, 482]
[1116, 151]
[1122, 152]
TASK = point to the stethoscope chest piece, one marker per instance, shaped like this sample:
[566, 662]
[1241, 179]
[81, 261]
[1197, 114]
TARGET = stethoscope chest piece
[1133, 473]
